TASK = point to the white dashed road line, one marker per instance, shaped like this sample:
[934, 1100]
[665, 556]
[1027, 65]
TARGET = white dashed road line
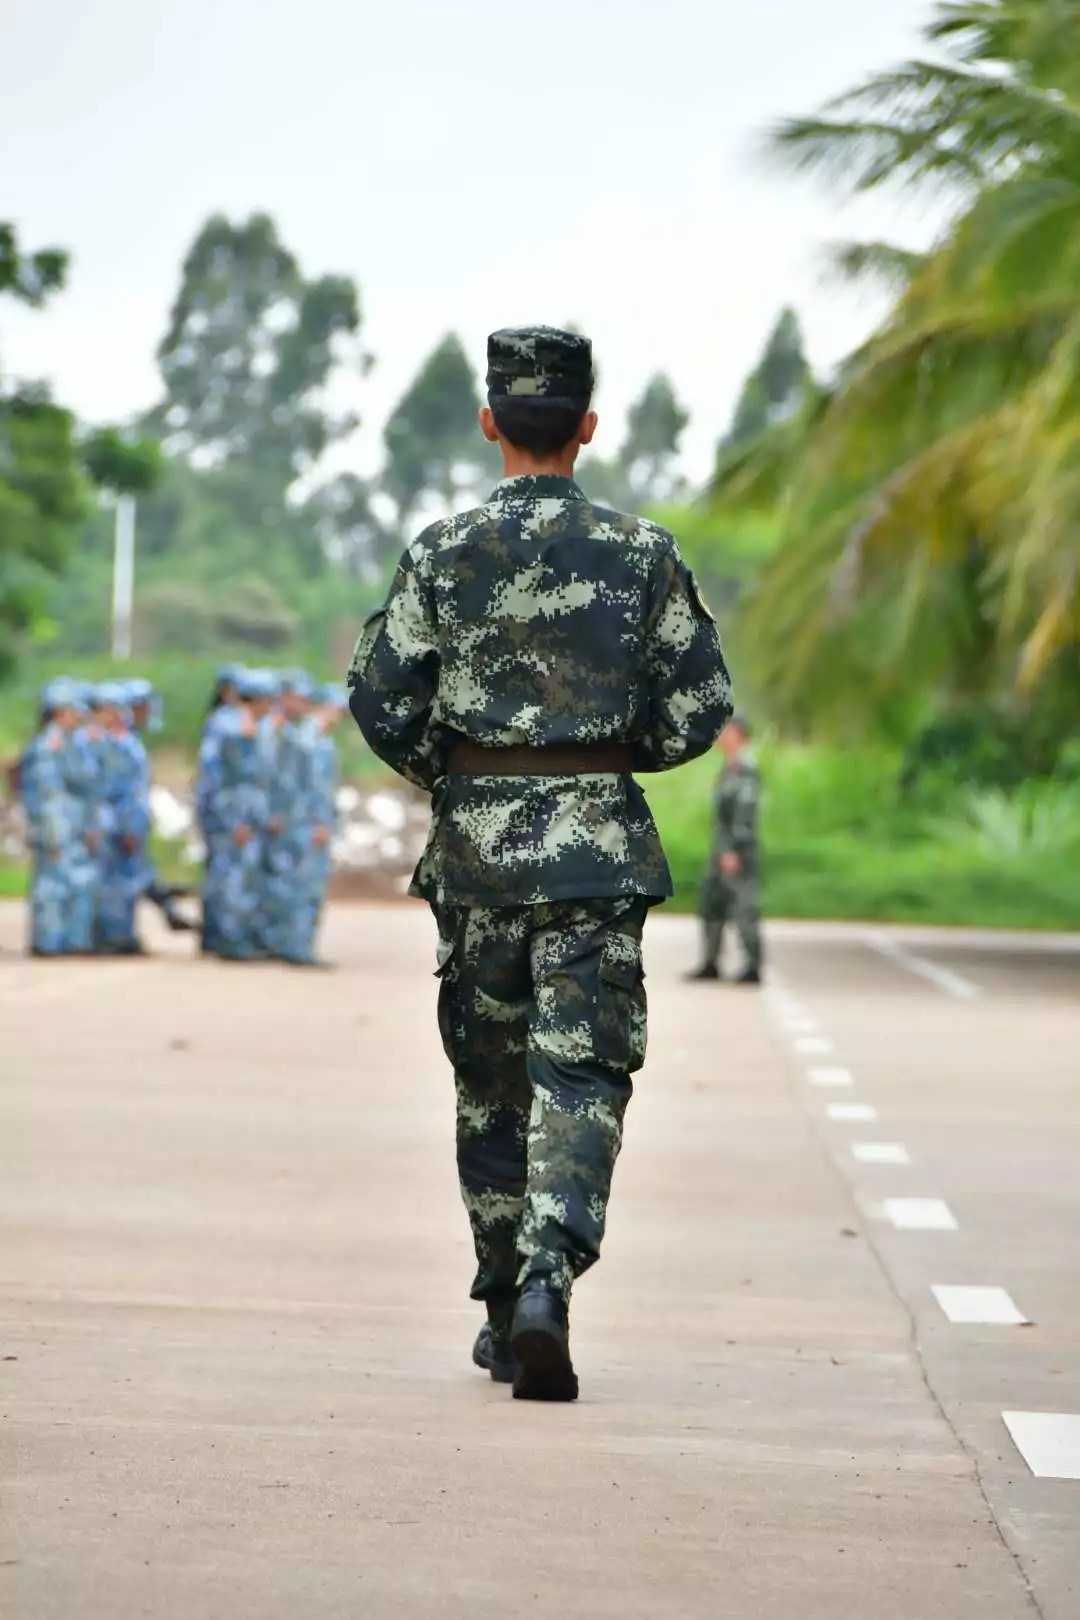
[813, 1044]
[1049, 1442]
[965, 1304]
[831, 1077]
[920, 1214]
[952, 983]
[880, 1153]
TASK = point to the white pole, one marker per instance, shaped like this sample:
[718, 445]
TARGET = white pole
[123, 576]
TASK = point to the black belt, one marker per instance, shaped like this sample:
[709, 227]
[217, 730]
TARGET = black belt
[469, 758]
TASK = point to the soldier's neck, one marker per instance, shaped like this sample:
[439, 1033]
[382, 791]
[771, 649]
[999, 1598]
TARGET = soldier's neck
[520, 464]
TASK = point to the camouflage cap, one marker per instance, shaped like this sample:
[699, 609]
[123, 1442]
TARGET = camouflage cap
[63, 693]
[539, 362]
[254, 684]
[110, 695]
[297, 681]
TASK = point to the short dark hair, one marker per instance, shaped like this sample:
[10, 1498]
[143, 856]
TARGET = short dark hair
[539, 426]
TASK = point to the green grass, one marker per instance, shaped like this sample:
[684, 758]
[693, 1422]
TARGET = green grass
[13, 880]
[838, 840]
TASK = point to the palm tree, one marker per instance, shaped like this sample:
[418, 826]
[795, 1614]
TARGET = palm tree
[932, 500]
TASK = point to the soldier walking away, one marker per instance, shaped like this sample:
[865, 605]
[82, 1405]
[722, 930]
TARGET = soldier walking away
[533, 653]
[730, 891]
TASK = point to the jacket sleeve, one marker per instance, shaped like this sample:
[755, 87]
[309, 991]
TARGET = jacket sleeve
[324, 783]
[393, 679]
[43, 797]
[133, 806]
[743, 818]
[689, 689]
[208, 778]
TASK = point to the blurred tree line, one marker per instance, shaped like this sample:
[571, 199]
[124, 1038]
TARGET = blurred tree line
[247, 544]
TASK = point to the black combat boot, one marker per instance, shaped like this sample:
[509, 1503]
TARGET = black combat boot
[709, 973]
[540, 1340]
[751, 976]
[492, 1351]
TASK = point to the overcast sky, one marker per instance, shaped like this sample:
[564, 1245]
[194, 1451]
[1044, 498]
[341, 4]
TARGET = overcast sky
[471, 164]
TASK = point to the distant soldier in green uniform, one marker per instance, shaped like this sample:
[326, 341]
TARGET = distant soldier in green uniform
[730, 891]
[532, 654]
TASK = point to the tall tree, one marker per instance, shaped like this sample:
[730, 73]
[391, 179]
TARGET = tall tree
[250, 347]
[644, 469]
[654, 426]
[774, 389]
[434, 449]
[41, 488]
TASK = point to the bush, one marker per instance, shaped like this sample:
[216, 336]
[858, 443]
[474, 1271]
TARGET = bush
[254, 614]
[839, 839]
[174, 617]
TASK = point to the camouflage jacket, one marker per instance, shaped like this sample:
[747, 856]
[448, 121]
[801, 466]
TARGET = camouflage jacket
[539, 619]
[59, 784]
[324, 780]
[217, 722]
[239, 773]
[738, 799]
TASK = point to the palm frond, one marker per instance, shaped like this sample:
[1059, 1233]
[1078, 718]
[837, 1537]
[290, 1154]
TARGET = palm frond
[882, 262]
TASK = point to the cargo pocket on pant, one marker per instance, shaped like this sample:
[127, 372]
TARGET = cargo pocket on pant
[620, 1011]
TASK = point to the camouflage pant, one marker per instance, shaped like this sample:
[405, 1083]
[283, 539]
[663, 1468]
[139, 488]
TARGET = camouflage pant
[542, 1013]
[286, 920]
[124, 876]
[62, 897]
[232, 898]
[731, 900]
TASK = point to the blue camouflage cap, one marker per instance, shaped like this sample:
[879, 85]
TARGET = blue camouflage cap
[252, 684]
[143, 692]
[296, 680]
[110, 695]
[228, 674]
[63, 692]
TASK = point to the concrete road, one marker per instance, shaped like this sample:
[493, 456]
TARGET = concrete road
[235, 1331]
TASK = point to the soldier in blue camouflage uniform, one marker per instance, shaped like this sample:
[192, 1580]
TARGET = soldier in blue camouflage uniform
[533, 653]
[291, 829]
[58, 783]
[237, 792]
[223, 701]
[729, 893]
[118, 792]
[329, 704]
